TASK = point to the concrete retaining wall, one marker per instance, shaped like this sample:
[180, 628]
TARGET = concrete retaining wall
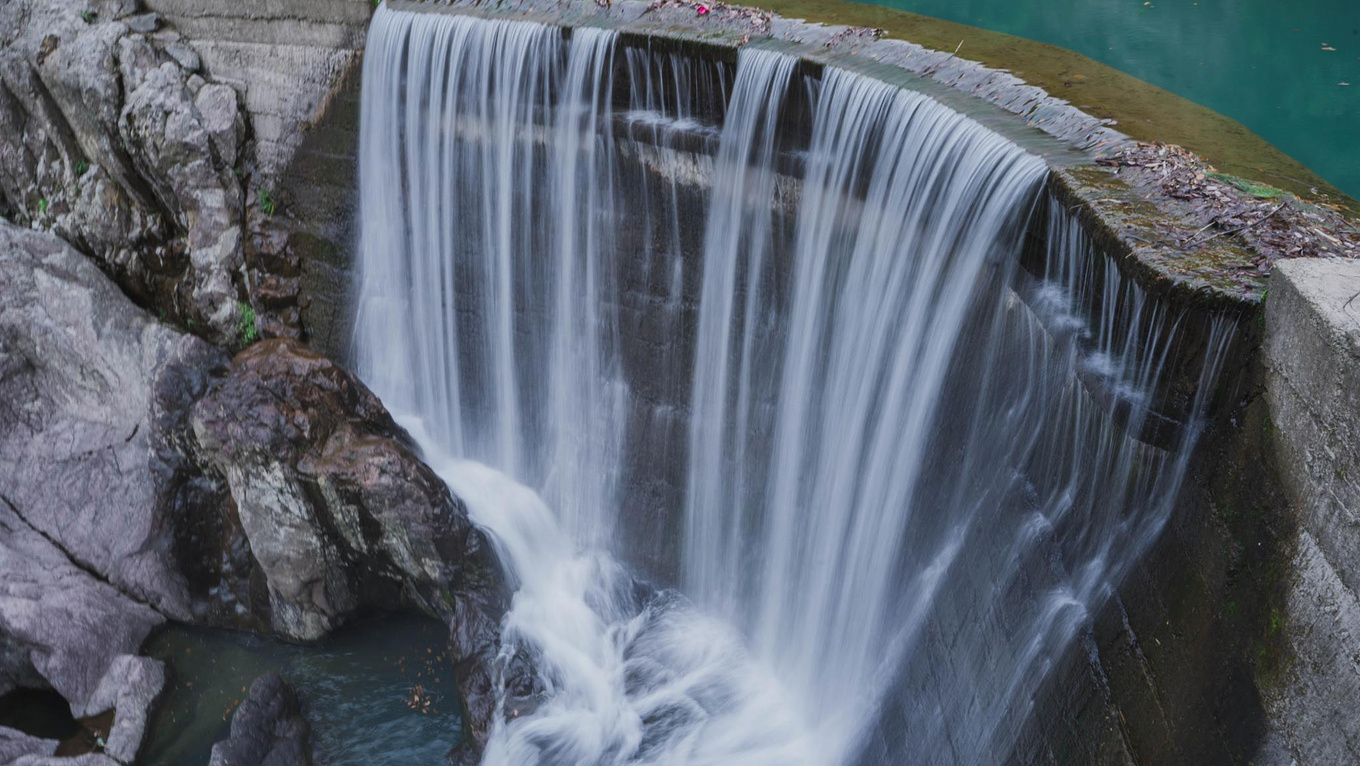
[1312, 362]
[287, 56]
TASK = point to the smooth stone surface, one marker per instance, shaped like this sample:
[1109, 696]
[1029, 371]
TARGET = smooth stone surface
[15, 743]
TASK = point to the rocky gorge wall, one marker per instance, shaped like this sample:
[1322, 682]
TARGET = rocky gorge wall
[147, 476]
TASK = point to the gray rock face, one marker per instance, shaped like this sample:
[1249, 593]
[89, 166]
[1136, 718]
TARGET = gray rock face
[1312, 360]
[72, 632]
[267, 729]
[16, 744]
[91, 396]
[102, 142]
[89, 759]
[95, 484]
[145, 23]
[68, 626]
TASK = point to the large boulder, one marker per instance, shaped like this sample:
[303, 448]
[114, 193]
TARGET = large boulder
[267, 729]
[110, 139]
[341, 513]
[339, 510]
[97, 488]
[94, 402]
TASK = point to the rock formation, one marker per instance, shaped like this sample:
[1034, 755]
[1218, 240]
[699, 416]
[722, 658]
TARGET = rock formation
[111, 139]
[341, 514]
[267, 729]
[146, 477]
[90, 390]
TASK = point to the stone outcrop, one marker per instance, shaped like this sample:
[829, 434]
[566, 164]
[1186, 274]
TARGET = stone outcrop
[94, 482]
[339, 510]
[1312, 360]
[341, 514]
[111, 139]
[94, 399]
[145, 476]
[267, 729]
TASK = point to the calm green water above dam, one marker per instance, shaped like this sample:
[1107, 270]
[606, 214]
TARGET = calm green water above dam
[1264, 63]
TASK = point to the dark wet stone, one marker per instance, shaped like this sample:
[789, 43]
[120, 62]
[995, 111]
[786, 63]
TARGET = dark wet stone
[268, 729]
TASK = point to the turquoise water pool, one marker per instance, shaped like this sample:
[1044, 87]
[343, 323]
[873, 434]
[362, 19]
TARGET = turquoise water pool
[1276, 67]
[354, 687]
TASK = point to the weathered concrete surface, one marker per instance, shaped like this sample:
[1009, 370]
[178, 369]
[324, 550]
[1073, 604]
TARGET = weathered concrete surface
[1313, 706]
[1312, 354]
[1312, 359]
[286, 56]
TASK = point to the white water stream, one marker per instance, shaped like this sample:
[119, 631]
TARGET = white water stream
[898, 499]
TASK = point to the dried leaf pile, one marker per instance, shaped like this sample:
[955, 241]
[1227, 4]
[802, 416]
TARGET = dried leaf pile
[1273, 224]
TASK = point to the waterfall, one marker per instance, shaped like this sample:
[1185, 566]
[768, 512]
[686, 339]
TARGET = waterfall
[764, 340]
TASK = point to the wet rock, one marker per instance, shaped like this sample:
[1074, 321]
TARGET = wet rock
[267, 729]
[339, 510]
[341, 513]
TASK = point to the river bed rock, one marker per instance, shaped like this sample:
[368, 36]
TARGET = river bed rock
[268, 729]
